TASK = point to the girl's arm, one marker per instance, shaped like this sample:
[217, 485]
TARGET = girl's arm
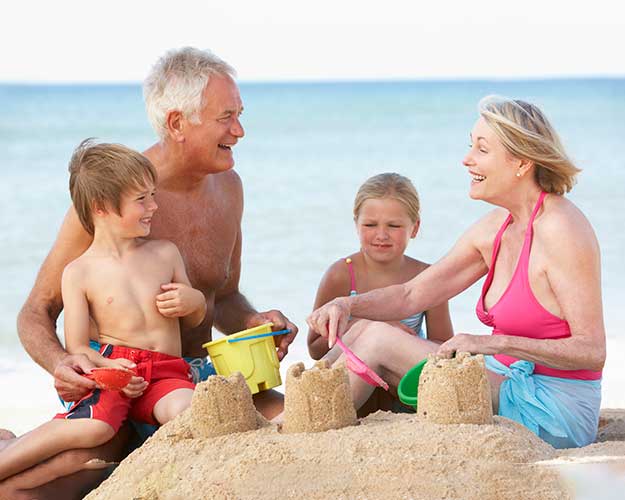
[455, 272]
[179, 299]
[334, 283]
[438, 321]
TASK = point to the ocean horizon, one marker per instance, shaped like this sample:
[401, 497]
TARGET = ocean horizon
[308, 146]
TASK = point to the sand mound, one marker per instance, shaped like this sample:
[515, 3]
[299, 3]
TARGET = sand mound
[455, 391]
[318, 399]
[222, 406]
[387, 456]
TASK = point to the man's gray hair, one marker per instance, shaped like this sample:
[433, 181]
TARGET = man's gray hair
[176, 82]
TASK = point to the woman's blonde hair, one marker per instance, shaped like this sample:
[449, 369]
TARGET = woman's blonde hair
[389, 185]
[526, 133]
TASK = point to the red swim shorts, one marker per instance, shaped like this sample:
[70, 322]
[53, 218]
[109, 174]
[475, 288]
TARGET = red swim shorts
[164, 374]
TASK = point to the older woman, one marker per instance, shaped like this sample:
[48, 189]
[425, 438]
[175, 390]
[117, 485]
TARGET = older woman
[542, 293]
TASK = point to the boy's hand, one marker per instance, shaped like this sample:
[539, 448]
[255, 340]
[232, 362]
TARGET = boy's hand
[137, 385]
[179, 300]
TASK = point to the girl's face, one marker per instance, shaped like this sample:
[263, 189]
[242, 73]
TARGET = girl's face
[384, 229]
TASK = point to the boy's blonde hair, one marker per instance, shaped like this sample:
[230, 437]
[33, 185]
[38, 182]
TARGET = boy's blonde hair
[526, 133]
[389, 185]
[101, 173]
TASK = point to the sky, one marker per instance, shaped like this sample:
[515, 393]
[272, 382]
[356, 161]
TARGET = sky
[275, 40]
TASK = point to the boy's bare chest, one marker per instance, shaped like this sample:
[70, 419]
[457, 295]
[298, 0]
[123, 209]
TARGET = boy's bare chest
[128, 289]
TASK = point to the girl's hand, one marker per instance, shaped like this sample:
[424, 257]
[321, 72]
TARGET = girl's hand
[331, 319]
[179, 300]
[466, 342]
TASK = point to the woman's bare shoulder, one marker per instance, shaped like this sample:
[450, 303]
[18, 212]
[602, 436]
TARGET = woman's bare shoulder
[562, 225]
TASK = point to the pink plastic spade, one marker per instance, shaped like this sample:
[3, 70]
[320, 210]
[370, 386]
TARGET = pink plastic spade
[111, 379]
[359, 367]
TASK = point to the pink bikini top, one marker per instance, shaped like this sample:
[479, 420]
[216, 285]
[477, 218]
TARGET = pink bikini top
[518, 312]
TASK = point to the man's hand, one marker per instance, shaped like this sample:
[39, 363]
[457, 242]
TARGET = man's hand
[68, 380]
[280, 322]
[179, 300]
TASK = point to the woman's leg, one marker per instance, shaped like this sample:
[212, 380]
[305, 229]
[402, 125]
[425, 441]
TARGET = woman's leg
[387, 350]
[50, 439]
[172, 404]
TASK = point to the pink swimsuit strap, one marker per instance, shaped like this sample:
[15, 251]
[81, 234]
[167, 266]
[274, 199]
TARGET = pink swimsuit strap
[518, 312]
[525, 250]
[352, 278]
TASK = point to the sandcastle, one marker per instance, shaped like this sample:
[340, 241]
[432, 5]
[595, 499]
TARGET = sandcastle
[222, 405]
[455, 391]
[318, 399]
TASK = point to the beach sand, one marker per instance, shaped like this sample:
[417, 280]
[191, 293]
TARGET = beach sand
[383, 456]
[386, 456]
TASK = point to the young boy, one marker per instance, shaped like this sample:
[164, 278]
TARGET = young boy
[135, 291]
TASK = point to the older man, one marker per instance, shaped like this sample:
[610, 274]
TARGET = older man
[194, 105]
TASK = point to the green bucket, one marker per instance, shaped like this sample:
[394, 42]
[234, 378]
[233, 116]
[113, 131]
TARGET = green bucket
[409, 384]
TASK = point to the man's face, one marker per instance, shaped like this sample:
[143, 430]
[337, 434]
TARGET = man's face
[210, 142]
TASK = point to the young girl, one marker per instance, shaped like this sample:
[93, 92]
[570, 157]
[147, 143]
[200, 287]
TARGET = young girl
[386, 214]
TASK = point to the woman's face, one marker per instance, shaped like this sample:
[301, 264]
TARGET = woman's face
[491, 167]
[384, 229]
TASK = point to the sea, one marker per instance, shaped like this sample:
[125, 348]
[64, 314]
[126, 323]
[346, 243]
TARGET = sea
[306, 150]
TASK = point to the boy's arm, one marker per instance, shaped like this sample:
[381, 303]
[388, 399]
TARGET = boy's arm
[179, 299]
[77, 315]
[36, 322]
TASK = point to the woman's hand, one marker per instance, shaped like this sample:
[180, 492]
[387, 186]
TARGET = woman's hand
[331, 319]
[179, 300]
[466, 342]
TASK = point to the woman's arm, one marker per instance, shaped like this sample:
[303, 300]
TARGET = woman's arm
[455, 272]
[573, 269]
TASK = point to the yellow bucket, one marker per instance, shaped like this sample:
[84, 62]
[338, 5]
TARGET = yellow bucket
[256, 359]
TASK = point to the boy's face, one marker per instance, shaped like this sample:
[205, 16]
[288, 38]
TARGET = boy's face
[137, 206]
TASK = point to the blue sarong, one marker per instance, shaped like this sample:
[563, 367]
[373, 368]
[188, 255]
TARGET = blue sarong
[563, 412]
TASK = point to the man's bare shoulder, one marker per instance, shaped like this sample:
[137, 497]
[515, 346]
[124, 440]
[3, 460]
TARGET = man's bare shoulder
[229, 185]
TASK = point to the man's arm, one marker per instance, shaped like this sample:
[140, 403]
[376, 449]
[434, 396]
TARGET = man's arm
[233, 312]
[36, 322]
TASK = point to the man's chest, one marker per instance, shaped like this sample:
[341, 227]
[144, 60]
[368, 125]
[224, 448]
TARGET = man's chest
[206, 238]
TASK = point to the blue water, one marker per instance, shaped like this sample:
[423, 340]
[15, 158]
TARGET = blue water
[307, 149]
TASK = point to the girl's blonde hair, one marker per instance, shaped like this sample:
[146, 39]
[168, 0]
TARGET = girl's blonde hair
[526, 133]
[389, 185]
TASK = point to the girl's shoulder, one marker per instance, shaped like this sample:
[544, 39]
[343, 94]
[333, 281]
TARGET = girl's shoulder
[338, 272]
[415, 267]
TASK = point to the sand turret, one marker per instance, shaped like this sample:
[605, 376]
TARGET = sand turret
[222, 405]
[317, 399]
[455, 391]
